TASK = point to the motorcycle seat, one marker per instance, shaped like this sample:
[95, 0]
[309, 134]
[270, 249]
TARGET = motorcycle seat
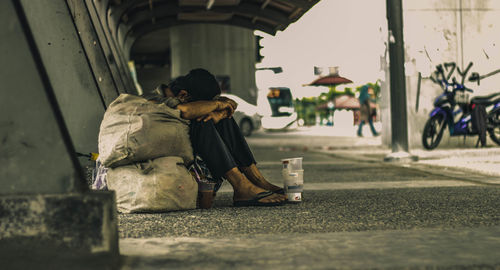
[486, 100]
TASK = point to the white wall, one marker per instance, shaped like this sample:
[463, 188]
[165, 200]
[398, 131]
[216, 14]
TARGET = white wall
[438, 31]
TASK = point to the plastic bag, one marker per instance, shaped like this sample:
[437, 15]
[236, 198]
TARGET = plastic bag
[99, 181]
[201, 173]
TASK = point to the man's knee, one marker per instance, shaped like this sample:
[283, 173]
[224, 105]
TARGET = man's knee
[228, 121]
[202, 125]
[200, 131]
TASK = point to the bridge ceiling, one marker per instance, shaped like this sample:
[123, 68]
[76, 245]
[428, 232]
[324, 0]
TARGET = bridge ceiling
[131, 20]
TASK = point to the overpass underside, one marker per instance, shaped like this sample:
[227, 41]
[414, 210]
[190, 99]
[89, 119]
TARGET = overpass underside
[63, 63]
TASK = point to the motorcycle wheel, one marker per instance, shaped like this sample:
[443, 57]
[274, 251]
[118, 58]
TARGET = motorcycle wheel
[493, 125]
[433, 131]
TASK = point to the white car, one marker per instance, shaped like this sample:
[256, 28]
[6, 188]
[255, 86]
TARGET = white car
[246, 115]
[285, 122]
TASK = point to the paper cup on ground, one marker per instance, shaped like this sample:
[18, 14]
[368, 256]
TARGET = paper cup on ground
[294, 185]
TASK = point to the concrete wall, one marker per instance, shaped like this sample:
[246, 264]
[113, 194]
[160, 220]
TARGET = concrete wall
[438, 31]
[221, 49]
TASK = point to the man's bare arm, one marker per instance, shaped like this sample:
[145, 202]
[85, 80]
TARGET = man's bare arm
[216, 116]
[196, 109]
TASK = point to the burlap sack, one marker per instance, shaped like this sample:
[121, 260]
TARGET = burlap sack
[134, 129]
[163, 184]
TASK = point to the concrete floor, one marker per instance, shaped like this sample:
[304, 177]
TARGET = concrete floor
[357, 213]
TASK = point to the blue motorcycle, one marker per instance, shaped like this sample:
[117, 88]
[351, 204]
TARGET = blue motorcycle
[452, 105]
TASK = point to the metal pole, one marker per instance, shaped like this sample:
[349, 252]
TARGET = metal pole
[398, 85]
[419, 84]
[399, 123]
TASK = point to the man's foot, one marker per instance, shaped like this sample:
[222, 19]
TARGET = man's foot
[244, 190]
[256, 201]
[280, 191]
[253, 174]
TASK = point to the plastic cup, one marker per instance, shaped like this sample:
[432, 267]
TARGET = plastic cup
[292, 164]
[206, 195]
[300, 175]
[296, 164]
[294, 185]
[293, 178]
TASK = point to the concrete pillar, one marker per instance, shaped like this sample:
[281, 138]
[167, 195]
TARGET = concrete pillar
[101, 11]
[150, 77]
[48, 218]
[221, 49]
[68, 70]
[94, 51]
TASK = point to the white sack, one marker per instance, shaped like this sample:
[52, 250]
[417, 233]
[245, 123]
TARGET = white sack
[134, 129]
[163, 184]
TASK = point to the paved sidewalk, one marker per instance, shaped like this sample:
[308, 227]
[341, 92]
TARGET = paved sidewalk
[338, 142]
[468, 161]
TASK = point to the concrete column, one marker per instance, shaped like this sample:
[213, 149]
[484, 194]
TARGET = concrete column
[94, 51]
[68, 70]
[221, 49]
[151, 77]
[48, 218]
[35, 156]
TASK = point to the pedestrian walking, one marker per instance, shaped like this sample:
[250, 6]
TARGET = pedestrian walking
[366, 112]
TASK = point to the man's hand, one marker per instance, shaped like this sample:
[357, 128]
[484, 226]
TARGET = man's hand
[216, 116]
[225, 106]
[231, 103]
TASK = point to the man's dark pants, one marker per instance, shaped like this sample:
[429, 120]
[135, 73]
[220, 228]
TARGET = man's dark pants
[221, 145]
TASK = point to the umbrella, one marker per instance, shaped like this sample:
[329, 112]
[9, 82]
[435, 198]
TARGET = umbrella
[349, 102]
[346, 102]
[330, 80]
[342, 102]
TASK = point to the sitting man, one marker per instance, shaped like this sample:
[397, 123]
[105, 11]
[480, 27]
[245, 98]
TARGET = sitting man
[216, 138]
